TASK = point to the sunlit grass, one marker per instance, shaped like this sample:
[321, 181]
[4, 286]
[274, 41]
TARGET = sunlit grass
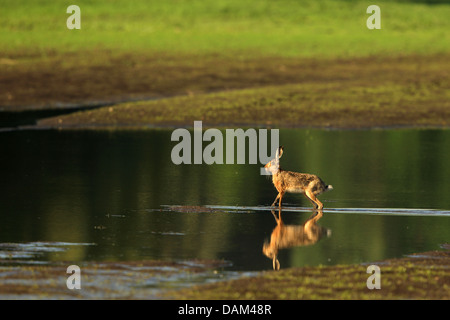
[285, 28]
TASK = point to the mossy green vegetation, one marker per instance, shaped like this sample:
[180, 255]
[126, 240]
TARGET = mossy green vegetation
[424, 276]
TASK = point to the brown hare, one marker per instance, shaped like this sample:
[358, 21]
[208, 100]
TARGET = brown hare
[287, 181]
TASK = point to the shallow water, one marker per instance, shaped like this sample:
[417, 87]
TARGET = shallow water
[116, 196]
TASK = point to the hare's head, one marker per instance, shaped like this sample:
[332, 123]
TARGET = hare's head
[273, 166]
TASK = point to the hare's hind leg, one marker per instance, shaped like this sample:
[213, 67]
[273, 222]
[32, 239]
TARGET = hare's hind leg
[317, 204]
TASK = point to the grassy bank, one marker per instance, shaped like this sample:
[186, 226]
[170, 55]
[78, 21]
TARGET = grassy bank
[355, 93]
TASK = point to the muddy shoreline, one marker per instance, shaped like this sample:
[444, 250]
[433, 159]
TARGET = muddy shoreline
[422, 276]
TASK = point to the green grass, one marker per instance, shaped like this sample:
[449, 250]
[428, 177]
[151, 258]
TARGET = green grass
[307, 28]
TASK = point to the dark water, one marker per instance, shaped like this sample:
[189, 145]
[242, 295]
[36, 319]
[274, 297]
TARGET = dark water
[115, 196]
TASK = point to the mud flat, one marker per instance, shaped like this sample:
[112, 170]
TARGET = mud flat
[417, 276]
[105, 280]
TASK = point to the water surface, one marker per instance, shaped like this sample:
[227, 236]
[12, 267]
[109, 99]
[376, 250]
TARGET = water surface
[116, 196]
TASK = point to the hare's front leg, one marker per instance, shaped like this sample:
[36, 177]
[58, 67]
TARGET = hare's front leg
[279, 196]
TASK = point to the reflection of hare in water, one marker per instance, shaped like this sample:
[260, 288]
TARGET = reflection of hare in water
[288, 181]
[287, 236]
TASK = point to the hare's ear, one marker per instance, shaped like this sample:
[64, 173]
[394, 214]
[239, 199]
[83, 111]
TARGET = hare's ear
[280, 152]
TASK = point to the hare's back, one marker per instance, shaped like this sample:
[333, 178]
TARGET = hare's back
[297, 182]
